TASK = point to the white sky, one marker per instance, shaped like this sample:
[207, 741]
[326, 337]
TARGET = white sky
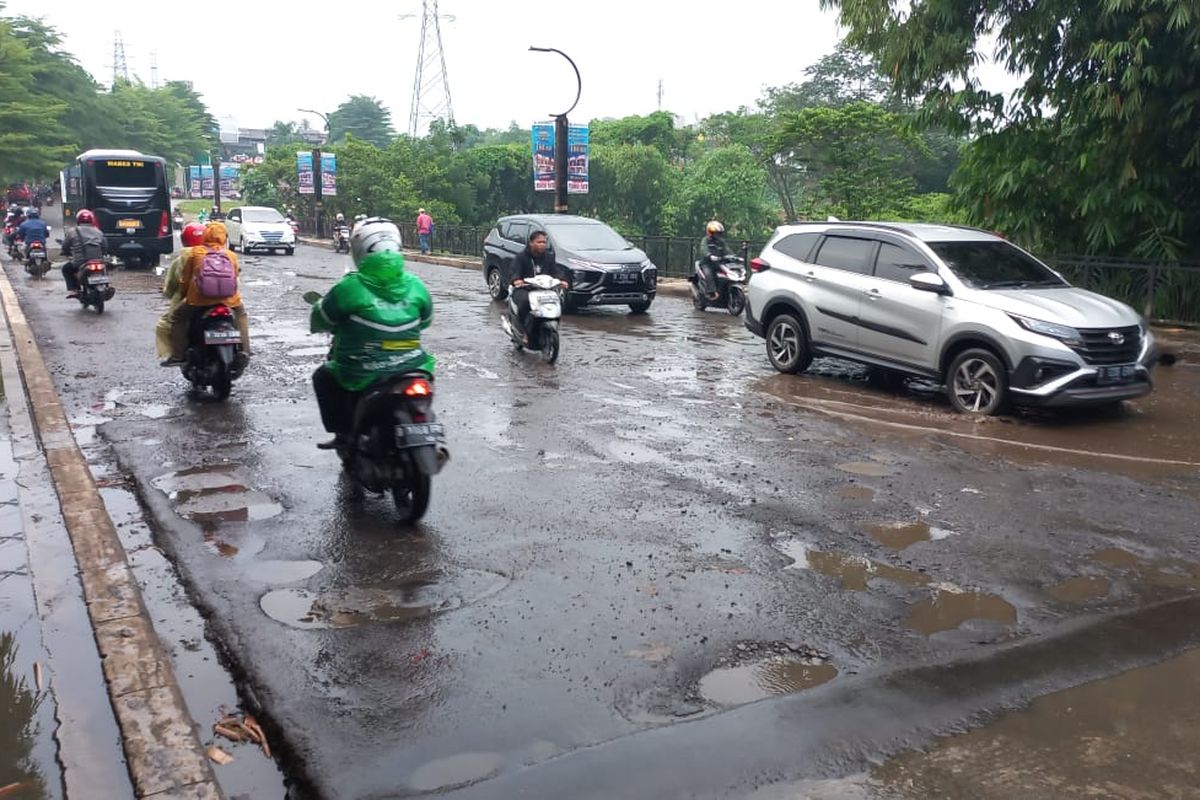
[266, 59]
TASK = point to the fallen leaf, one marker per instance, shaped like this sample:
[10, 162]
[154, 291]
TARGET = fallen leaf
[219, 756]
[231, 733]
[37, 675]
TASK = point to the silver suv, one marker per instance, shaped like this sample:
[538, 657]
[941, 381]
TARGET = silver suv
[959, 305]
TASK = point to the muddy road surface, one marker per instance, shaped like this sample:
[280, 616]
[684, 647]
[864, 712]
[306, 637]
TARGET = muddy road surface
[657, 545]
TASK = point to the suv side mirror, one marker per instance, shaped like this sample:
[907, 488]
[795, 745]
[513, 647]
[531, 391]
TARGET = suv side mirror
[929, 282]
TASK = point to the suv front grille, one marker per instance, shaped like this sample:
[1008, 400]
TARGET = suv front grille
[1100, 346]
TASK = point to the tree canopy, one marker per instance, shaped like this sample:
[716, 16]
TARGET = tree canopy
[364, 118]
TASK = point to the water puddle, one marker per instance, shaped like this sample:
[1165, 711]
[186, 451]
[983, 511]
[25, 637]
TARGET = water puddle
[901, 535]
[1079, 590]
[854, 492]
[418, 595]
[772, 677]
[214, 494]
[949, 608]
[867, 469]
[1116, 557]
[455, 771]
[1175, 574]
[853, 572]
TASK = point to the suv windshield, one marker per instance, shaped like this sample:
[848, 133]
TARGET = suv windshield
[582, 236]
[261, 215]
[994, 265]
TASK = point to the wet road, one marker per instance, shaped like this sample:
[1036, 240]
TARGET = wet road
[654, 531]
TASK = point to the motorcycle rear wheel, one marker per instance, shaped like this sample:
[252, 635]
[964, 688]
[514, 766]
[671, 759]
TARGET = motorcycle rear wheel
[222, 383]
[737, 300]
[99, 306]
[412, 499]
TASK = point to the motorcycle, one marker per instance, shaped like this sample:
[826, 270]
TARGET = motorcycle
[177, 220]
[214, 358]
[14, 244]
[341, 239]
[731, 292]
[94, 285]
[395, 442]
[37, 263]
[545, 310]
[295, 227]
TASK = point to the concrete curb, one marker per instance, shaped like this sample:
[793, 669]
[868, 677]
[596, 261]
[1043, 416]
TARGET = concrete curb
[161, 743]
[677, 287]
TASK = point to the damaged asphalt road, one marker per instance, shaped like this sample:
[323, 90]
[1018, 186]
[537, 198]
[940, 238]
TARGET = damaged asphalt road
[655, 531]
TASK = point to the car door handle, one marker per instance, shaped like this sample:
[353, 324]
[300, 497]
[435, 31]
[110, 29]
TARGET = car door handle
[811, 277]
[872, 294]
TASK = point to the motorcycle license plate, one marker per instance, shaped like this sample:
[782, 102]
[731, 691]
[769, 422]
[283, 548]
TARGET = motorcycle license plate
[129, 224]
[221, 337]
[420, 434]
[98, 281]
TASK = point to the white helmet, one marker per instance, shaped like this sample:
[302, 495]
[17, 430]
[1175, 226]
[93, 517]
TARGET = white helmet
[340, 217]
[374, 235]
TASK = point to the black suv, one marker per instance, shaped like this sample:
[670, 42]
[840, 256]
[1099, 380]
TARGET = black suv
[600, 267]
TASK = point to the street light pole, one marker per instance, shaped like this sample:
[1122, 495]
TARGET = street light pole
[561, 131]
[318, 188]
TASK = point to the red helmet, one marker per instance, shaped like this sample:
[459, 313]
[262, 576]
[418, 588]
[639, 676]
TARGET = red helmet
[192, 234]
[85, 217]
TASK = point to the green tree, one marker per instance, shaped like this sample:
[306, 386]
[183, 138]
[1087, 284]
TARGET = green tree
[34, 143]
[1099, 148]
[365, 118]
[856, 153]
[631, 187]
[845, 76]
[726, 183]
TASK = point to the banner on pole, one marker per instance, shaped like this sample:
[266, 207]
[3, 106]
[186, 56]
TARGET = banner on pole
[304, 172]
[329, 174]
[578, 146]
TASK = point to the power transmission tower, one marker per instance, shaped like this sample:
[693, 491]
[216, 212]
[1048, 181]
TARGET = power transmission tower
[153, 69]
[120, 67]
[431, 86]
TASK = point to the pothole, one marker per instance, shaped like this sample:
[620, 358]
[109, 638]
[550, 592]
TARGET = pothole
[1116, 557]
[1078, 590]
[217, 493]
[950, 607]
[868, 469]
[418, 595]
[771, 675]
[901, 535]
[852, 572]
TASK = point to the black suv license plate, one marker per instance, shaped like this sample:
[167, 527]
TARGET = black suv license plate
[420, 434]
[1109, 376]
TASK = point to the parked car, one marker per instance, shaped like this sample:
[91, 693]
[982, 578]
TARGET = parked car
[600, 266]
[259, 228]
[955, 304]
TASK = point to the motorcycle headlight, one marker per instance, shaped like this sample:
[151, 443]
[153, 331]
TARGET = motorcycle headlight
[1064, 333]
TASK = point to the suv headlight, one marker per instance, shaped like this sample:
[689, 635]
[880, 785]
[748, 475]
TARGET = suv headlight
[1064, 333]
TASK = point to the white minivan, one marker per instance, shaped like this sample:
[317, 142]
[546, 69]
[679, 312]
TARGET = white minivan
[259, 228]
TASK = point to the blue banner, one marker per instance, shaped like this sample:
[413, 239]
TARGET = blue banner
[329, 174]
[304, 172]
[578, 144]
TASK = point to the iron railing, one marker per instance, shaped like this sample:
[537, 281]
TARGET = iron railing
[1161, 290]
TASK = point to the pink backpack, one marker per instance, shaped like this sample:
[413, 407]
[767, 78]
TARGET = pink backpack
[216, 278]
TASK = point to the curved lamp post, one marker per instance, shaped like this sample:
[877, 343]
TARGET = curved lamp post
[561, 128]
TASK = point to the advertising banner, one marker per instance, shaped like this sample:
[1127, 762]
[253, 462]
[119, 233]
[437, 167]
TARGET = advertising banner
[542, 134]
[329, 174]
[304, 172]
[193, 181]
[229, 179]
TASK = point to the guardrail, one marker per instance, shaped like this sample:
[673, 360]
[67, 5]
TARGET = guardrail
[1161, 290]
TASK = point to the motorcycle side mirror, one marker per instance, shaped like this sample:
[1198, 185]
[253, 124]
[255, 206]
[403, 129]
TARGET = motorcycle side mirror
[312, 297]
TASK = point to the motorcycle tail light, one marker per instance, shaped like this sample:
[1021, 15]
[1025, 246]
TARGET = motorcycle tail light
[219, 311]
[418, 388]
[95, 268]
[164, 225]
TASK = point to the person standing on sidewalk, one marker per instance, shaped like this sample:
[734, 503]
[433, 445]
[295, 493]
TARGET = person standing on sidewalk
[424, 230]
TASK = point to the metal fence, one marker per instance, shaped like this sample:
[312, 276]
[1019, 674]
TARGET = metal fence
[1161, 290]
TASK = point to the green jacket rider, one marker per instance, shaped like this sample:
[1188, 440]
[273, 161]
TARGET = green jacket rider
[376, 315]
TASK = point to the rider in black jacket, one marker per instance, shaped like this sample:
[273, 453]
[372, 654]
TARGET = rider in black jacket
[715, 252]
[533, 260]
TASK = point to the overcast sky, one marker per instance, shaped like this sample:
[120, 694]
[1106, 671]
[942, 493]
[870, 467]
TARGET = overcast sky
[260, 61]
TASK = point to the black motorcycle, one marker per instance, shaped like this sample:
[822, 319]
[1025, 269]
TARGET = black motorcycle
[37, 261]
[214, 358]
[395, 443]
[94, 285]
[731, 280]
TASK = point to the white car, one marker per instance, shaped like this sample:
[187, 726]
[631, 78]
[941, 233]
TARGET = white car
[259, 228]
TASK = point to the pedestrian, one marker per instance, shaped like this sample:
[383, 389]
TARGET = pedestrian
[424, 230]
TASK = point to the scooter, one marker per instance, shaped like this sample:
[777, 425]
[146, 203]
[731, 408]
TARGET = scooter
[545, 310]
[37, 263]
[395, 443]
[94, 285]
[213, 358]
[731, 279]
[341, 239]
